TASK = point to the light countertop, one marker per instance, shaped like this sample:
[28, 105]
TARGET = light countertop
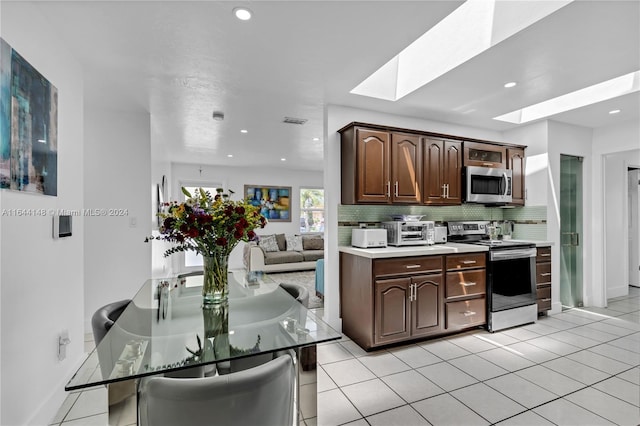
[404, 251]
[536, 242]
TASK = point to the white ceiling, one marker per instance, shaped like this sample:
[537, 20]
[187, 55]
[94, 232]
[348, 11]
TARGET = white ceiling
[181, 60]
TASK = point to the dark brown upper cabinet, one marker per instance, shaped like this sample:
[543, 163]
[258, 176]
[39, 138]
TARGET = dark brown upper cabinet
[380, 167]
[485, 155]
[442, 172]
[515, 162]
[389, 165]
[406, 168]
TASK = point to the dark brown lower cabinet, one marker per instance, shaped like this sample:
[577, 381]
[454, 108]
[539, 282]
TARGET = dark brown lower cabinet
[407, 307]
[385, 301]
[543, 279]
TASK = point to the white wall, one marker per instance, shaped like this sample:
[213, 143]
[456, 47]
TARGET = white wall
[117, 176]
[234, 178]
[337, 117]
[160, 167]
[622, 138]
[42, 278]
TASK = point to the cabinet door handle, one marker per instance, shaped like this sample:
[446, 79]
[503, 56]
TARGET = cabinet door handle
[469, 284]
[545, 300]
[468, 262]
[545, 255]
[468, 313]
[388, 189]
[395, 188]
[487, 164]
[444, 191]
[412, 266]
[447, 187]
[546, 274]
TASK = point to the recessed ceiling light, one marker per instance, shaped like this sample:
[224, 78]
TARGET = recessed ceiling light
[615, 111]
[242, 13]
[230, 155]
[316, 139]
[244, 131]
[283, 159]
[616, 87]
[510, 84]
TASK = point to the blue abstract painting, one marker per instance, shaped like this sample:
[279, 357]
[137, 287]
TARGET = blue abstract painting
[5, 114]
[28, 126]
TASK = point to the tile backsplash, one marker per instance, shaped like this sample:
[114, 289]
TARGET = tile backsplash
[531, 222]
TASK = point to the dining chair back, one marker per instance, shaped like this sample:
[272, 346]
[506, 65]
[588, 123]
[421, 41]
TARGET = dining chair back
[263, 395]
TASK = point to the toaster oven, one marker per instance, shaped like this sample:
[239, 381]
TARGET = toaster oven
[408, 233]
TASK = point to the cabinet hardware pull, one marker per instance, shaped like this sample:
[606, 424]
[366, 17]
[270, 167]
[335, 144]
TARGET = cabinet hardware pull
[468, 313]
[447, 186]
[545, 300]
[444, 191]
[468, 262]
[487, 164]
[412, 266]
[469, 284]
[395, 188]
[546, 274]
[545, 255]
[388, 189]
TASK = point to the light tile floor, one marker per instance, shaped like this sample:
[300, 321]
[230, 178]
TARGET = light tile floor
[580, 367]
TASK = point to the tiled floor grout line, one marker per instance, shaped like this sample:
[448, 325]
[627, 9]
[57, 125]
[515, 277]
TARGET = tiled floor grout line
[585, 386]
[582, 318]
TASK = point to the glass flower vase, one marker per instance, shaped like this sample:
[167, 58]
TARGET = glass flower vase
[215, 280]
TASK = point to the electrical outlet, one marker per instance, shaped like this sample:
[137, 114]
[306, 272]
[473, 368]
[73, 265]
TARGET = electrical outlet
[63, 341]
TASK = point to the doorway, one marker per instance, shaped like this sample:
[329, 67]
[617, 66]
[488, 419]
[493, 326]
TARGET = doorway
[633, 175]
[570, 231]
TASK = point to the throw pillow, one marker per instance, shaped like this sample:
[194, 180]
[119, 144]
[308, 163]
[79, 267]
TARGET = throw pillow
[268, 243]
[294, 243]
[282, 242]
[313, 243]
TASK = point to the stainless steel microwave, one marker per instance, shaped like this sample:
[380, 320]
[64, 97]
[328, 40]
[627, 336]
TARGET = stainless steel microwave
[487, 185]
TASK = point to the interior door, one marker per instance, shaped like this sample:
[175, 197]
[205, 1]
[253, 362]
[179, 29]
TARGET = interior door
[570, 231]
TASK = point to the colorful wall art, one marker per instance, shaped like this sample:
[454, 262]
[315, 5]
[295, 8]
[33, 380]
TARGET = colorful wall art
[274, 201]
[28, 126]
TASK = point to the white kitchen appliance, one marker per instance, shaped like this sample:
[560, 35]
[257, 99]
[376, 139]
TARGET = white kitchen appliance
[410, 233]
[440, 234]
[369, 237]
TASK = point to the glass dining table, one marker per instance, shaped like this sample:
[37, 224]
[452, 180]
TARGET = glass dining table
[165, 330]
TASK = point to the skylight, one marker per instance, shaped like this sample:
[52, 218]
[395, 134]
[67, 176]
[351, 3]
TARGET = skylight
[609, 89]
[472, 28]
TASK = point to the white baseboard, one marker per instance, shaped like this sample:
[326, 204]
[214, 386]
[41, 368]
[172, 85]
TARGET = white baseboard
[49, 408]
[617, 291]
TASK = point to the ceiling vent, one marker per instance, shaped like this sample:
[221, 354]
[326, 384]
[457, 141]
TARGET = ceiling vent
[292, 120]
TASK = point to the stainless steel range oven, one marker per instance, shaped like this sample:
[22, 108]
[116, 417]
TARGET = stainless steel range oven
[511, 275]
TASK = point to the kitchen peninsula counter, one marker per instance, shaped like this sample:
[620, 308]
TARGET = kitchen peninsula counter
[407, 251]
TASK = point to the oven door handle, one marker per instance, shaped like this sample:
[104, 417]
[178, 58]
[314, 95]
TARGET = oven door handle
[498, 255]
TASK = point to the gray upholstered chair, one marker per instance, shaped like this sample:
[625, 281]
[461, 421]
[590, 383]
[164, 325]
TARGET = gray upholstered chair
[298, 292]
[103, 319]
[263, 395]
